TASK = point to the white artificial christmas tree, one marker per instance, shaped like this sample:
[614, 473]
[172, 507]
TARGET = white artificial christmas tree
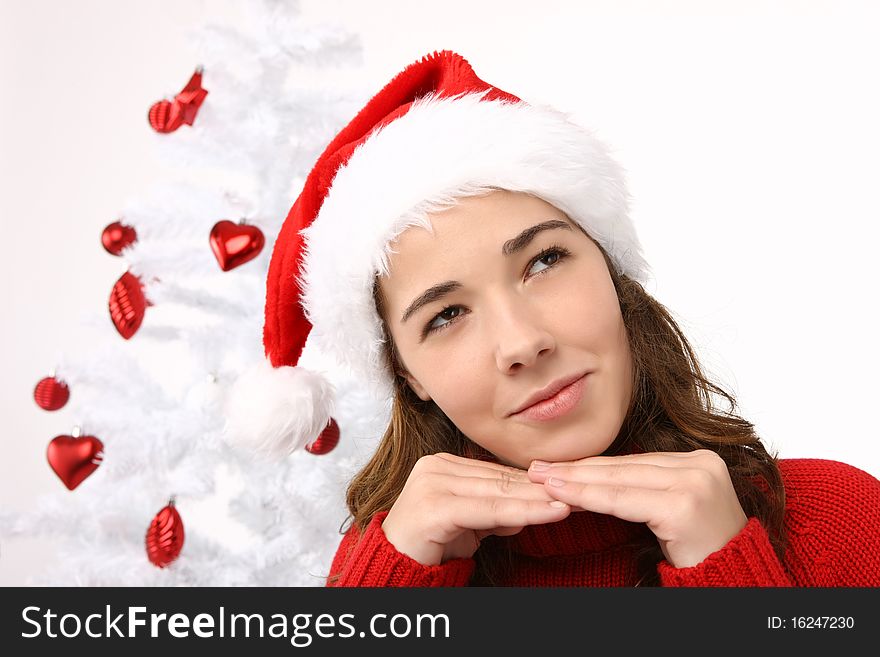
[156, 400]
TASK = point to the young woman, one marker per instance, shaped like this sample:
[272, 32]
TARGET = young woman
[472, 257]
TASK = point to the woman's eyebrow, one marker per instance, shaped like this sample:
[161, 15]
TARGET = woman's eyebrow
[509, 248]
[522, 240]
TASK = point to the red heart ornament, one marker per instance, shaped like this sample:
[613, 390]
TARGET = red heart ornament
[74, 459]
[235, 244]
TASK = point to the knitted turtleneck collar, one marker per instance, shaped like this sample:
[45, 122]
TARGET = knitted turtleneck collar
[579, 533]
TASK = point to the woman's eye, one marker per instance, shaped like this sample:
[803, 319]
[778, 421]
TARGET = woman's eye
[547, 256]
[447, 314]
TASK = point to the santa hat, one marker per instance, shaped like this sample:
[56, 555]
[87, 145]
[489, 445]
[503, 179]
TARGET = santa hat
[435, 133]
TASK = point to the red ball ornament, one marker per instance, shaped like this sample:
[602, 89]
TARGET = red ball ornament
[74, 458]
[235, 244]
[167, 116]
[328, 439]
[165, 535]
[118, 236]
[51, 393]
[127, 305]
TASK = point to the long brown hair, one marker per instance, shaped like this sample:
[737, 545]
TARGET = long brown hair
[671, 409]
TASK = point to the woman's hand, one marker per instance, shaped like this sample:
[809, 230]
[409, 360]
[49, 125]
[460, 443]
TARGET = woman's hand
[450, 503]
[686, 498]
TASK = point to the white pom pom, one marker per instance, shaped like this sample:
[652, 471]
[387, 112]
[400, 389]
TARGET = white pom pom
[276, 410]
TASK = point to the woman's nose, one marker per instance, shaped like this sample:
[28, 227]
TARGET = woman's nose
[520, 339]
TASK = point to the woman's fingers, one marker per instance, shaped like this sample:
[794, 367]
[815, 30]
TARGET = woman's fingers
[620, 473]
[482, 513]
[449, 502]
[496, 479]
[626, 503]
[667, 459]
[474, 467]
[498, 486]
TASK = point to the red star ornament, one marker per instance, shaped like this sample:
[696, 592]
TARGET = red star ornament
[167, 116]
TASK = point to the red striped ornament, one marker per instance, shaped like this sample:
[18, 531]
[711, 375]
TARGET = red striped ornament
[51, 393]
[127, 305]
[164, 539]
[328, 439]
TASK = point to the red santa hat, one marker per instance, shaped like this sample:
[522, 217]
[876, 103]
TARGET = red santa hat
[435, 133]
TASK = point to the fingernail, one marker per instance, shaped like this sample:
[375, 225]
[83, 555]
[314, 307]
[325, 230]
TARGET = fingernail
[557, 504]
[556, 481]
[540, 466]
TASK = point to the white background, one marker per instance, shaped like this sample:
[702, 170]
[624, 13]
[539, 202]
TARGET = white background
[750, 131]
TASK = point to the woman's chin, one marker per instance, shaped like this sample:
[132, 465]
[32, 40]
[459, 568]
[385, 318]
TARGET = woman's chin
[571, 450]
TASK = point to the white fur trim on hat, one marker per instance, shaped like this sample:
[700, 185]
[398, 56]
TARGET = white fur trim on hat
[441, 149]
[274, 411]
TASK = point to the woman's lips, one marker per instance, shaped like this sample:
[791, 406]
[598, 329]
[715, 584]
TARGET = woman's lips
[556, 406]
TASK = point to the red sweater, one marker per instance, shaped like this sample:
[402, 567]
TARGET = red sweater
[832, 520]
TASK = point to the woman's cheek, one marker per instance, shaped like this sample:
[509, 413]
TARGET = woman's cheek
[459, 394]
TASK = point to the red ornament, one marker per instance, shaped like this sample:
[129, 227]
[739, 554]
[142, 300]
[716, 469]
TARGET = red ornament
[164, 116]
[167, 116]
[328, 439]
[51, 393]
[165, 536]
[117, 236]
[127, 304]
[74, 458]
[235, 244]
